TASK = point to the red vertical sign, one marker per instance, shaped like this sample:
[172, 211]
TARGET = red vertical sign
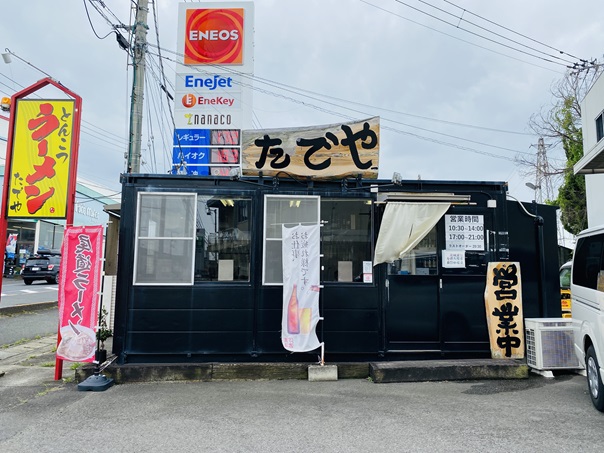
[79, 286]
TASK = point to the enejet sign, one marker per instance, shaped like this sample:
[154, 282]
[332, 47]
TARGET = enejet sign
[209, 92]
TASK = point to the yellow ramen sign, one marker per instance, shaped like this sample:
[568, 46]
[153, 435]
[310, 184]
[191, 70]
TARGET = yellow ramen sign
[41, 158]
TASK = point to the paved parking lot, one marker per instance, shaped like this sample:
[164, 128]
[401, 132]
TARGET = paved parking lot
[535, 414]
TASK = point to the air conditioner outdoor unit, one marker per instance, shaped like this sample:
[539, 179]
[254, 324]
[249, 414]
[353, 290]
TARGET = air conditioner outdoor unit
[550, 344]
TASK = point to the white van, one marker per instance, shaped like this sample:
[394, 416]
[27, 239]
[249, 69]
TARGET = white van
[587, 293]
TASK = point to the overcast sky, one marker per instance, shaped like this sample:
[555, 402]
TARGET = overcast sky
[454, 104]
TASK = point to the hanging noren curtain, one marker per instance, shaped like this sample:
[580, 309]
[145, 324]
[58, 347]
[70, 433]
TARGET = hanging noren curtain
[403, 226]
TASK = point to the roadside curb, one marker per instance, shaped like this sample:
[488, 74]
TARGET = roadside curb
[14, 309]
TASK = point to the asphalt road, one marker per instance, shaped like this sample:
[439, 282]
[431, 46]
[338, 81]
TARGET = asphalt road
[535, 414]
[28, 325]
[15, 292]
[32, 323]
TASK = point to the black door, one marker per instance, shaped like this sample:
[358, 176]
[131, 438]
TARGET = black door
[431, 305]
[412, 299]
[412, 313]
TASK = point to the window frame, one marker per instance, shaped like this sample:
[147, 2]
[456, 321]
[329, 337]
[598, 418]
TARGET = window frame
[584, 262]
[250, 205]
[326, 225]
[599, 127]
[264, 229]
[192, 239]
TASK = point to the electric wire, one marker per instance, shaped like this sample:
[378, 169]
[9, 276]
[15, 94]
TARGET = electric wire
[398, 112]
[91, 25]
[162, 83]
[165, 118]
[313, 106]
[104, 16]
[458, 38]
[300, 90]
[156, 103]
[86, 125]
[513, 31]
[479, 35]
[489, 31]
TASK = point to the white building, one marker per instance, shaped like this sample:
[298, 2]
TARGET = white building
[592, 163]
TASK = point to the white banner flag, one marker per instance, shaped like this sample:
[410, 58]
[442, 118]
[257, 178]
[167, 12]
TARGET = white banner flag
[300, 288]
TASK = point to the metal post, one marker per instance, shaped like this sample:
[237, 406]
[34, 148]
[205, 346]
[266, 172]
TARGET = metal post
[138, 86]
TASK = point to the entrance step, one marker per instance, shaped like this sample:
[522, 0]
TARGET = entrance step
[447, 370]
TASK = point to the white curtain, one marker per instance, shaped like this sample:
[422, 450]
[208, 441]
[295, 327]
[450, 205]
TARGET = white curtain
[403, 226]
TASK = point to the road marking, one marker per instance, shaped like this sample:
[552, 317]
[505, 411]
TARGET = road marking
[28, 291]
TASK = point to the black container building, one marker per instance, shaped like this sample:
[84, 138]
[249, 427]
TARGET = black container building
[199, 268]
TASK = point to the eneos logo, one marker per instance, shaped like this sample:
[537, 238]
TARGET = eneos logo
[214, 36]
[189, 100]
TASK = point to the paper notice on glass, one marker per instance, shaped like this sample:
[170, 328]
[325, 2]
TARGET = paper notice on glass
[367, 267]
[225, 270]
[344, 271]
[454, 258]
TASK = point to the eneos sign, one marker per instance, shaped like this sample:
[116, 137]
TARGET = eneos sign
[214, 36]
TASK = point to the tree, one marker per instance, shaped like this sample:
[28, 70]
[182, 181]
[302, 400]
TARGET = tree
[561, 125]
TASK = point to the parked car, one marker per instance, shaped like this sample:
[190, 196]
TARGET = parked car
[587, 292]
[41, 267]
[565, 300]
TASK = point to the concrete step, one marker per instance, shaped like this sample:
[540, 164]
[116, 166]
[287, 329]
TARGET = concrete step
[379, 372]
[447, 370]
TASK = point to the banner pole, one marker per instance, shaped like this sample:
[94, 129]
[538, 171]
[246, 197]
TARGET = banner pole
[322, 354]
[97, 366]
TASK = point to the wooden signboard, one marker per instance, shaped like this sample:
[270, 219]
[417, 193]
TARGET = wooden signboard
[327, 152]
[503, 302]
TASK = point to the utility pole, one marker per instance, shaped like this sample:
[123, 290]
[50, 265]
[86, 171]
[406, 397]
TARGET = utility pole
[138, 86]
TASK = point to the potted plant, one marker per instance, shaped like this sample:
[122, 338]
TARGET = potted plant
[102, 334]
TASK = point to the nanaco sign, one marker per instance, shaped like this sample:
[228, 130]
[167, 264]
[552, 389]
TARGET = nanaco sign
[327, 152]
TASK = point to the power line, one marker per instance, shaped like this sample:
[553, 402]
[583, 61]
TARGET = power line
[166, 119]
[91, 25]
[298, 91]
[512, 31]
[456, 37]
[110, 135]
[348, 117]
[478, 35]
[488, 30]
[104, 16]
[397, 111]
[156, 99]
